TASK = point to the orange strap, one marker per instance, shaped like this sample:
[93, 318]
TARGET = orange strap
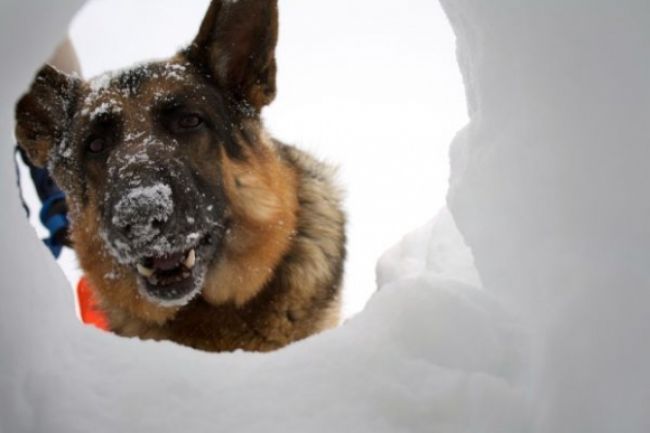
[90, 312]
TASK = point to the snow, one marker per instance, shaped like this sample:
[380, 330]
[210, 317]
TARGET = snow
[100, 85]
[174, 71]
[548, 186]
[102, 82]
[104, 108]
[128, 212]
[525, 308]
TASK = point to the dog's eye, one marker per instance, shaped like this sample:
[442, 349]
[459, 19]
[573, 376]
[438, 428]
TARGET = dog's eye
[96, 145]
[189, 121]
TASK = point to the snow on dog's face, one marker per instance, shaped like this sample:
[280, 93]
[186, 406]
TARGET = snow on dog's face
[167, 171]
[147, 143]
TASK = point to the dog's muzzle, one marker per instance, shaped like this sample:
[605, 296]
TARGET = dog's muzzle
[148, 231]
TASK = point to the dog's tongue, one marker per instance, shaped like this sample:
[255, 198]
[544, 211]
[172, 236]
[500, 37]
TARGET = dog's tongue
[167, 263]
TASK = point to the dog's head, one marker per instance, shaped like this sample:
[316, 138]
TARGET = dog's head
[169, 176]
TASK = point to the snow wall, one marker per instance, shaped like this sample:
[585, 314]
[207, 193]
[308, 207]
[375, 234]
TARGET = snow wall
[547, 186]
[550, 185]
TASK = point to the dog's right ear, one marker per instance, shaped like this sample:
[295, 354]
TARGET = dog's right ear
[42, 114]
[236, 44]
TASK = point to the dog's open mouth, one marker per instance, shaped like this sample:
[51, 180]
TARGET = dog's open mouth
[170, 279]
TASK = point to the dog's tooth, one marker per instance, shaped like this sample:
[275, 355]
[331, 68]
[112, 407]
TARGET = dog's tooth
[144, 271]
[190, 261]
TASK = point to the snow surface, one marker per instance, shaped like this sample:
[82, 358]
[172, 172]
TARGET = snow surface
[546, 332]
[550, 187]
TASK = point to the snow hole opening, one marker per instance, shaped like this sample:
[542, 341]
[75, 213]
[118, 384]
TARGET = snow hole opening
[376, 91]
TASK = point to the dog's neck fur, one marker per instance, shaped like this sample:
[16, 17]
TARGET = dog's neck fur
[302, 296]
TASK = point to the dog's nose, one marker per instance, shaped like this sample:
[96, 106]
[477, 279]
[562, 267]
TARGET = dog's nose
[142, 212]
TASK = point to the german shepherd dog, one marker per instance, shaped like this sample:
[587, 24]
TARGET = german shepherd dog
[190, 222]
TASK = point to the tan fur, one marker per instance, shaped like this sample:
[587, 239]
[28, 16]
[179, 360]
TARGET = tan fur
[114, 286]
[262, 194]
[300, 299]
[279, 277]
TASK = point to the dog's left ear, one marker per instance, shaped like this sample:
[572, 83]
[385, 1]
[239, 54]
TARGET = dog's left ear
[43, 113]
[236, 43]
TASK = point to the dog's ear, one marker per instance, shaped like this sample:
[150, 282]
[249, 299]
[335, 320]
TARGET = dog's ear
[236, 43]
[42, 114]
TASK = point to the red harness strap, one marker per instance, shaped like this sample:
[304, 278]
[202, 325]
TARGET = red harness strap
[88, 307]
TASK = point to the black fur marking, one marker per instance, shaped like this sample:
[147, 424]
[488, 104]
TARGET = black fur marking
[132, 80]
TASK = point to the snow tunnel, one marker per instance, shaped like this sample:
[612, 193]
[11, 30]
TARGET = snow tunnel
[523, 308]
